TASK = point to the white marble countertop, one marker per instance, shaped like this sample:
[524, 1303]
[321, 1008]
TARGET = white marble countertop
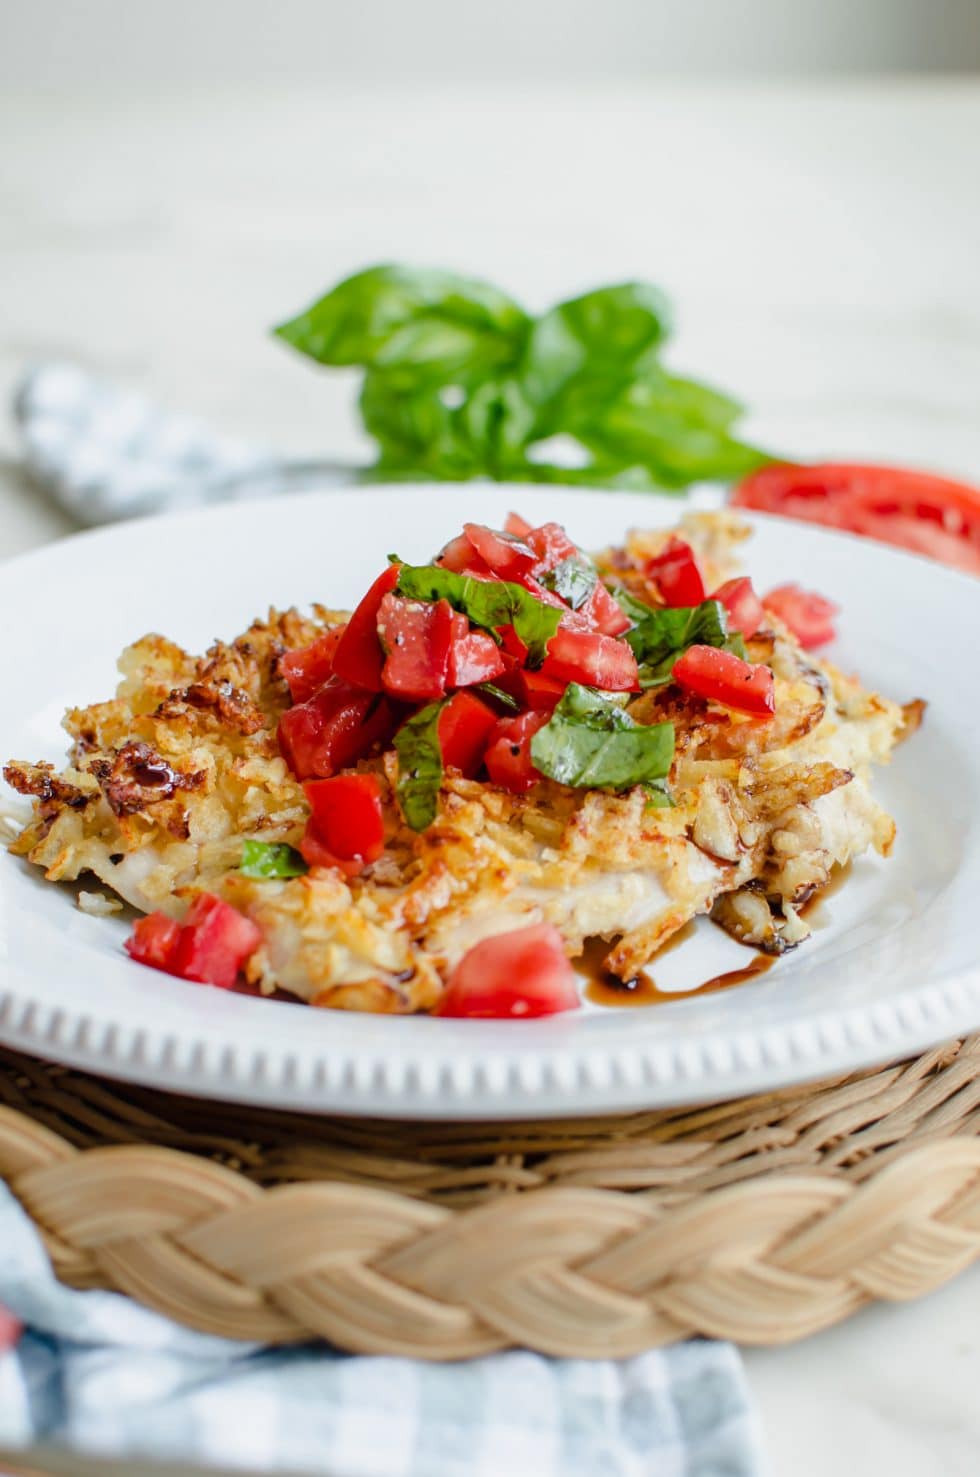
[822, 244]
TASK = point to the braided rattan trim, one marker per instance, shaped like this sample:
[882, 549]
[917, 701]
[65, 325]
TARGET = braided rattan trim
[760, 1220]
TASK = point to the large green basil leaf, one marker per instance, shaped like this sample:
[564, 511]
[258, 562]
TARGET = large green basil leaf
[420, 766]
[592, 743]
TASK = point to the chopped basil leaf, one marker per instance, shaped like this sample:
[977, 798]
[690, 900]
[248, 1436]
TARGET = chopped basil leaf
[592, 743]
[492, 690]
[658, 796]
[420, 766]
[573, 579]
[271, 859]
[488, 603]
[662, 634]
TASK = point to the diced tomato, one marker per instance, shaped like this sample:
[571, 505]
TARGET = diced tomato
[316, 853]
[347, 815]
[602, 611]
[742, 605]
[505, 555]
[416, 636]
[214, 942]
[591, 658]
[548, 597]
[508, 757]
[461, 557]
[153, 941]
[513, 645]
[516, 525]
[308, 667]
[473, 655]
[724, 678]
[676, 573]
[513, 976]
[930, 515]
[465, 726]
[359, 658]
[538, 692]
[809, 616]
[333, 728]
[551, 544]
[11, 1329]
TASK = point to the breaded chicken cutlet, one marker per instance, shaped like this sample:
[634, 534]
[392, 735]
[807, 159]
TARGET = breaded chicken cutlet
[515, 737]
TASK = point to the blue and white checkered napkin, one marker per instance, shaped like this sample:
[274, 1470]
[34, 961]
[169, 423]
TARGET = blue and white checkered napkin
[97, 1372]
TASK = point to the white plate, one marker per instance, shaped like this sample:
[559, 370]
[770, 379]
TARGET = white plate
[895, 968]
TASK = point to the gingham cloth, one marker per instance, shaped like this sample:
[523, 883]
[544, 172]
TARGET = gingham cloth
[100, 1373]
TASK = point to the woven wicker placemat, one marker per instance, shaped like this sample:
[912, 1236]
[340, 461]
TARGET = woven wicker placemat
[759, 1220]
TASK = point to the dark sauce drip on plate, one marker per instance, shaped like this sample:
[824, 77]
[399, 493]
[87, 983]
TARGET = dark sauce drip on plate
[607, 989]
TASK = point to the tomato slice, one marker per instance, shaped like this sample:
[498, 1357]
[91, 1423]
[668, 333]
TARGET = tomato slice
[461, 557]
[416, 637]
[912, 510]
[465, 726]
[505, 555]
[724, 678]
[538, 692]
[551, 544]
[508, 757]
[214, 942]
[517, 526]
[153, 941]
[809, 616]
[308, 667]
[347, 816]
[602, 611]
[473, 656]
[742, 605]
[591, 658]
[359, 658]
[513, 976]
[676, 573]
[332, 729]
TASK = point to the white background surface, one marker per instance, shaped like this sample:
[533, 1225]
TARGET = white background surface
[822, 243]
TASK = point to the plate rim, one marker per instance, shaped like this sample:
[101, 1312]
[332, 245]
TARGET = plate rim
[656, 1072]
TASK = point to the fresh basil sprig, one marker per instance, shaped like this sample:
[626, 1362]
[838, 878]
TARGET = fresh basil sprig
[461, 382]
[420, 766]
[573, 579]
[488, 603]
[264, 859]
[663, 633]
[592, 743]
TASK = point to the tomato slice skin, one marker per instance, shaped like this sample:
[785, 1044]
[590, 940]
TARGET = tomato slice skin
[602, 611]
[416, 637]
[465, 726]
[724, 678]
[593, 659]
[517, 526]
[337, 725]
[930, 515]
[742, 605]
[214, 942]
[347, 817]
[540, 693]
[359, 658]
[809, 616]
[505, 555]
[461, 557]
[512, 976]
[153, 941]
[676, 572]
[474, 656]
[308, 667]
[508, 756]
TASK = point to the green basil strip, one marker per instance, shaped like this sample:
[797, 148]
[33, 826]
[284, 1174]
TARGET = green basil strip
[591, 743]
[573, 579]
[662, 634]
[265, 859]
[488, 603]
[420, 766]
[497, 693]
